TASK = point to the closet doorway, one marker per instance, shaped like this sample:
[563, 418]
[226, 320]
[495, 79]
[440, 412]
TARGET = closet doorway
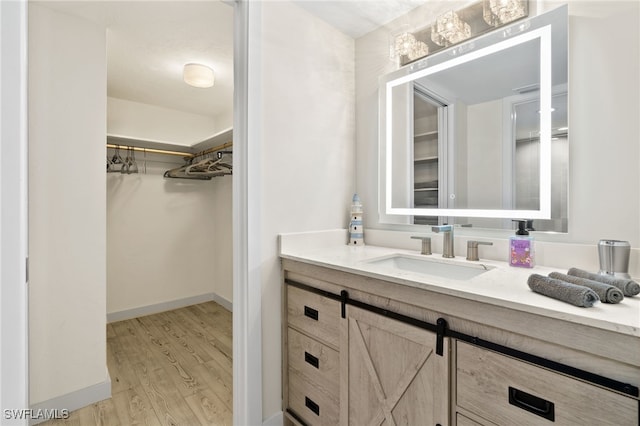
[169, 243]
[169, 226]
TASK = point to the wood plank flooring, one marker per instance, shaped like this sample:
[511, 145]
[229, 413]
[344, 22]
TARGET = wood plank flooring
[171, 368]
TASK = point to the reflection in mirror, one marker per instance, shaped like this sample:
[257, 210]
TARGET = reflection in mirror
[526, 162]
[481, 138]
[522, 190]
[427, 135]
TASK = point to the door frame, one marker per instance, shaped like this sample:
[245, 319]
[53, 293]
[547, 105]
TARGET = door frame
[247, 288]
[14, 333]
[14, 336]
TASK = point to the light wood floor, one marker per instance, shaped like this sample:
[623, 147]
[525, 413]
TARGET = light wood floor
[172, 368]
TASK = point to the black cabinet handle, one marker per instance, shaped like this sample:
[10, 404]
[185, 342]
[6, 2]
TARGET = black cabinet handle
[311, 313]
[312, 405]
[531, 403]
[441, 328]
[310, 359]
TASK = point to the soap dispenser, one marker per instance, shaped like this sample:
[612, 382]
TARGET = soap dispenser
[356, 230]
[521, 253]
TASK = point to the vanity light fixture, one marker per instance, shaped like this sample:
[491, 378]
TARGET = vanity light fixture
[500, 12]
[198, 75]
[402, 43]
[455, 27]
[421, 49]
[449, 29]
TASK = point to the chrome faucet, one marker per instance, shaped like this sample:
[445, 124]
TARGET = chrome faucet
[426, 244]
[472, 249]
[447, 239]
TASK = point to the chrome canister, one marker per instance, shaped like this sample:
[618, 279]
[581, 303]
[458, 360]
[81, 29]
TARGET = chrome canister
[614, 257]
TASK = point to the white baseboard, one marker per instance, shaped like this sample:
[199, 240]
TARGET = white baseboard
[167, 306]
[275, 420]
[75, 400]
[227, 304]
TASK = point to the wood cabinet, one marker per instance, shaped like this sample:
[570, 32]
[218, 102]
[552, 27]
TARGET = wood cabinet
[360, 351]
[314, 315]
[505, 391]
[391, 372]
[462, 420]
[312, 362]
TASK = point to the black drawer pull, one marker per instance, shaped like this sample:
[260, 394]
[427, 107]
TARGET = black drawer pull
[531, 403]
[311, 313]
[310, 359]
[312, 406]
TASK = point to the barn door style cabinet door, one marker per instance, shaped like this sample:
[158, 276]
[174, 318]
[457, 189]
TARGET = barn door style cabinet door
[391, 373]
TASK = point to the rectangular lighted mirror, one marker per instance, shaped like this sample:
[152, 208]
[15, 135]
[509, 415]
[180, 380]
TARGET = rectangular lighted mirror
[472, 132]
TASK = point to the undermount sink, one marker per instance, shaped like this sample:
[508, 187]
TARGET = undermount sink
[430, 266]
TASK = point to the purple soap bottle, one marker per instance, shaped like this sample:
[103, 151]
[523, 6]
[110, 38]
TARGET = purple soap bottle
[521, 253]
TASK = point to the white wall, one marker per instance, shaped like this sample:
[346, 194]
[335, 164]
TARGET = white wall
[151, 122]
[307, 168]
[167, 239]
[604, 107]
[67, 204]
[224, 121]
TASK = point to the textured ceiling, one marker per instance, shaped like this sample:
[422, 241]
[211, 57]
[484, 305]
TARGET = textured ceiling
[359, 17]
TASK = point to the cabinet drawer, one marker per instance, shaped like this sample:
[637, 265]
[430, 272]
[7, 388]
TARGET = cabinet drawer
[316, 315]
[508, 392]
[318, 363]
[465, 421]
[310, 404]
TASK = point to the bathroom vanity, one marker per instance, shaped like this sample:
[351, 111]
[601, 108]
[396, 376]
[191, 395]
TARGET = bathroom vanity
[374, 335]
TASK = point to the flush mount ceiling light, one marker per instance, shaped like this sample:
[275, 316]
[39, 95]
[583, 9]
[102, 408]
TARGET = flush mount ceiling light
[500, 12]
[198, 75]
[449, 29]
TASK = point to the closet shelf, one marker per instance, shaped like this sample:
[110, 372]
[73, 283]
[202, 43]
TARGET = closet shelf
[426, 134]
[425, 189]
[150, 150]
[184, 154]
[429, 184]
[425, 159]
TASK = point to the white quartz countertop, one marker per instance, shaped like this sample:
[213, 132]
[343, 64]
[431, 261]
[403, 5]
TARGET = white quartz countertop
[501, 285]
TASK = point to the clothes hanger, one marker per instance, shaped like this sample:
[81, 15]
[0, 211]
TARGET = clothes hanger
[114, 161]
[133, 166]
[204, 169]
[180, 173]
